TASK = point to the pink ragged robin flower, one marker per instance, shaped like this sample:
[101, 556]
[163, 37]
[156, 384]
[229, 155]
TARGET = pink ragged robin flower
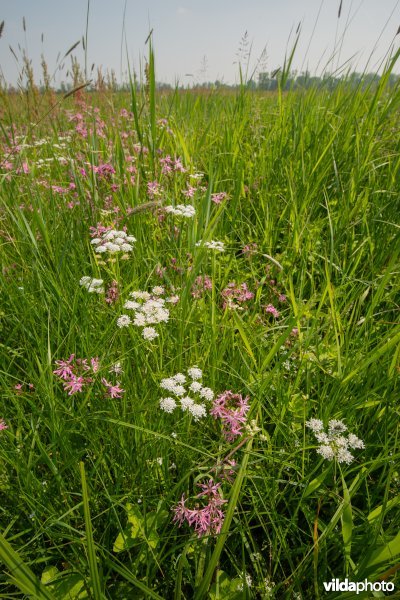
[232, 410]
[272, 310]
[206, 520]
[75, 384]
[201, 284]
[113, 391]
[64, 370]
[112, 293]
[219, 197]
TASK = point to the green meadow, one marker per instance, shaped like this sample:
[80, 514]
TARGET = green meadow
[199, 341]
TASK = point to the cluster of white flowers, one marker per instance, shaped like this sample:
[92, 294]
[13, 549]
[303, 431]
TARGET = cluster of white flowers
[213, 245]
[148, 309]
[181, 210]
[176, 386]
[334, 444]
[113, 241]
[92, 285]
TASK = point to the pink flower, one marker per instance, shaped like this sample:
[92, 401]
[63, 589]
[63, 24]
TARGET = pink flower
[178, 166]
[99, 230]
[249, 249]
[153, 189]
[272, 310]
[201, 284]
[189, 192]
[160, 270]
[3, 425]
[113, 391]
[219, 197]
[235, 295]
[64, 371]
[232, 410]
[95, 364]
[112, 294]
[207, 519]
[209, 489]
[74, 385]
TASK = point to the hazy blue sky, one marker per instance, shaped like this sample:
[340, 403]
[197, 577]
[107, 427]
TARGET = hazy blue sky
[200, 37]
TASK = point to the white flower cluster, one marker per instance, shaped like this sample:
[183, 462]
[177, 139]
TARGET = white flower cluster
[334, 444]
[213, 245]
[113, 241]
[181, 210]
[92, 285]
[176, 386]
[148, 309]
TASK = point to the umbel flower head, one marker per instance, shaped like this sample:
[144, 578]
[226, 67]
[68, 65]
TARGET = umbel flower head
[113, 241]
[213, 245]
[181, 210]
[92, 285]
[189, 393]
[334, 444]
[147, 310]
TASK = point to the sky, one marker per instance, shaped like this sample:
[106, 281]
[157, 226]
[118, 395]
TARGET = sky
[198, 40]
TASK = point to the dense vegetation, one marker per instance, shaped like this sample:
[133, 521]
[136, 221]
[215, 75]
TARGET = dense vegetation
[276, 468]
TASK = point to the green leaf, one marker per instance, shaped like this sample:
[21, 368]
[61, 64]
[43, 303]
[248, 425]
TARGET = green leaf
[66, 585]
[347, 522]
[316, 483]
[384, 554]
[374, 514]
[139, 529]
[22, 576]
[91, 549]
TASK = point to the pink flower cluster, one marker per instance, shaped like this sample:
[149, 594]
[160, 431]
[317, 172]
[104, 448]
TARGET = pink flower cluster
[219, 197]
[76, 374]
[3, 425]
[103, 170]
[232, 410]
[234, 295]
[272, 311]
[201, 284]
[112, 294]
[169, 165]
[208, 519]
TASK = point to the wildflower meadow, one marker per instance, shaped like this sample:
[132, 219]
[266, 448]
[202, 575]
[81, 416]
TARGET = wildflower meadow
[200, 343]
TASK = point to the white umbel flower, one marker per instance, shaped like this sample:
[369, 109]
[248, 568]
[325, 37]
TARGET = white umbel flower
[124, 321]
[149, 333]
[198, 411]
[195, 373]
[213, 245]
[168, 405]
[92, 285]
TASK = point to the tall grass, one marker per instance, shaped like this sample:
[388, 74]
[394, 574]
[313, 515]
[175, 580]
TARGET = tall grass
[88, 482]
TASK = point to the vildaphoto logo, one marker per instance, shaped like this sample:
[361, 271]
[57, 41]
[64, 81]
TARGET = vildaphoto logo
[336, 585]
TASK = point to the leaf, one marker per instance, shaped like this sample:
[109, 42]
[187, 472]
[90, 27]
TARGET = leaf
[91, 549]
[137, 528]
[374, 514]
[66, 585]
[316, 483]
[384, 554]
[22, 576]
[225, 588]
[347, 521]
